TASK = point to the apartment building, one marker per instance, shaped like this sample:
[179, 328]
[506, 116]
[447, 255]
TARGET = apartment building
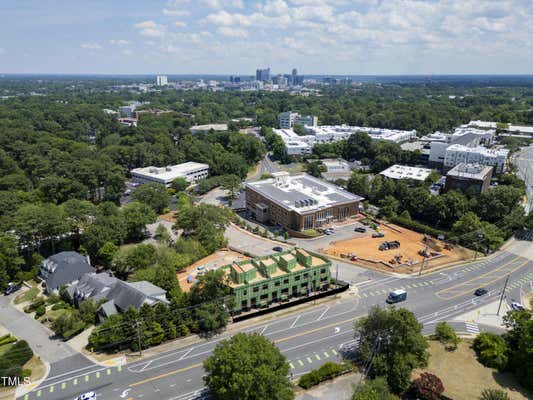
[465, 176]
[287, 120]
[457, 154]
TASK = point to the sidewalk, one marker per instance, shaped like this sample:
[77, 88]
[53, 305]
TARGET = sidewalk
[486, 315]
[340, 388]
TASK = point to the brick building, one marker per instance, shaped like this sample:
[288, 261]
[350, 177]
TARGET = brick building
[464, 176]
[299, 202]
[275, 278]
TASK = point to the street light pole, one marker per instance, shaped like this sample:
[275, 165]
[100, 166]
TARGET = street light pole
[503, 293]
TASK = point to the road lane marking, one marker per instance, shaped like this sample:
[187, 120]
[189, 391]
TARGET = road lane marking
[170, 373]
[301, 363]
[51, 389]
[478, 278]
[365, 295]
[291, 365]
[119, 368]
[38, 393]
[326, 354]
[334, 351]
[323, 313]
[86, 378]
[98, 374]
[108, 371]
[295, 321]
[63, 385]
[75, 382]
[309, 360]
[317, 357]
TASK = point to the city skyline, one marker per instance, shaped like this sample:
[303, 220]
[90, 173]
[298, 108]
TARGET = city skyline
[235, 37]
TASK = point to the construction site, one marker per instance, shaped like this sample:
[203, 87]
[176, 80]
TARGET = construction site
[397, 249]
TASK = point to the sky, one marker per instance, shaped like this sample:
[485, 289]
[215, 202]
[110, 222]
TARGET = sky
[352, 37]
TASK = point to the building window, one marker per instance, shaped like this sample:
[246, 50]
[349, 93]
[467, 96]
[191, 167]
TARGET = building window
[277, 283]
[285, 281]
[244, 304]
[244, 292]
[265, 287]
[256, 289]
[264, 296]
[297, 277]
[323, 271]
[306, 275]
[308, 221]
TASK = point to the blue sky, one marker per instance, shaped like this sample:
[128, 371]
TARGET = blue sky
[237, 36]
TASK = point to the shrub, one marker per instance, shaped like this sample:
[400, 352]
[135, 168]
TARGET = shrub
[417, 226]
[327, 371]
[427, 387]
[491, 350]
[40, 311]
[375, 389]
[494, 394]
[38, 302]
[60, 306]
[53, 299]
[7, 339]
[445, 334]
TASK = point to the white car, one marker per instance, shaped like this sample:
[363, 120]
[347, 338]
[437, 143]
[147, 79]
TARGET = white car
[87, 396]
[517, 306]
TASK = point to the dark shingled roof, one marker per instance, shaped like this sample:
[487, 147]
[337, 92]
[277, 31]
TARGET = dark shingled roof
[64, 268]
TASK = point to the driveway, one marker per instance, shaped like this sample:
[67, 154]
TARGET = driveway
[40, 338]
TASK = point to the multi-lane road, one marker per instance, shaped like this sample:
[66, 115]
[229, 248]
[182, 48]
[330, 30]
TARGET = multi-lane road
[308, 338]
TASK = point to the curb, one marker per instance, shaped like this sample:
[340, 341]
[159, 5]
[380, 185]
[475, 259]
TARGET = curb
[25, 389]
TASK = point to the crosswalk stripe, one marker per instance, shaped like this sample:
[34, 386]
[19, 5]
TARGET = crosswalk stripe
[365, 295]
[291, 365]
[334, 351]
[86, 378]
[415, 285]
[408, 286]
[63, 385]
[51, 389]
[326, 354]
[39, 393]
[119, 368]
[317, 357]
[309, 360]
[301, 363]
[383, 291]
[108, 371]
[98, 374]
[75, 382]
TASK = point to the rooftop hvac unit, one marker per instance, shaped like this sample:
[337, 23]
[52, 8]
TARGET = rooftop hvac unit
[168, 168]
[153, 170]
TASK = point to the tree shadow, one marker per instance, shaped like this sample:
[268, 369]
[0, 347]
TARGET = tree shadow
[508, 382]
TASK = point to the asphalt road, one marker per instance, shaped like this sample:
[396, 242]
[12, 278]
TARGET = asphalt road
[307, 338]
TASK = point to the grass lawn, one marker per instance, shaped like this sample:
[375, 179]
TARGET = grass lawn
[51, 315]
[464, 377]
[311, 232]
[28, 295]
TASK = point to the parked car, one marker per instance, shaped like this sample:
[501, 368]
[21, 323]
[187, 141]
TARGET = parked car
[87, 396]
[515, 305]
[12, 288]
[277, 249]
[360, 229]
[127, 192]
[378, 235]
[481, 292]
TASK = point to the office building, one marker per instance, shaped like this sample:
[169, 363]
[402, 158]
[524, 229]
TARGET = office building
[405, 172]
[456, 154]
[465, 176]
[259, 282]
[336, 168]
[299, 202]
[288, 119]
[333, 133]
[161, 80]
[518, 130]
[190, 171]
[262, 75]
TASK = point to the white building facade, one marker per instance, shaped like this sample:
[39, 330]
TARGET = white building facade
[190, 171]
[161, 80]
[287, 120]
[456, 154]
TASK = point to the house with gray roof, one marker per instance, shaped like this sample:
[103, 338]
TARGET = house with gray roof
[64, 268]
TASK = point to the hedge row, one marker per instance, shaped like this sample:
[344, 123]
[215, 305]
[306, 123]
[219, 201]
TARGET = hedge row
[327, 371]
[12, 361]
[6, 339]
[417, 226]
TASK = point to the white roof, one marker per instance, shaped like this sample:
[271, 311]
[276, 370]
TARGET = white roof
[215, 127]
[170, 172]
[479, 150]
[510, 127]
[406, 172]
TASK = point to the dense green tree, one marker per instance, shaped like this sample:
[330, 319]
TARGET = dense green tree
[232, 184]
[494, 394]
[392, 338]
[519, 339]
[315, 168]
[375, 389]
[136, 216]
[248, 367]
[130, 258]
[445, 334]
[10, 262]
[154, 195]
[491, 350]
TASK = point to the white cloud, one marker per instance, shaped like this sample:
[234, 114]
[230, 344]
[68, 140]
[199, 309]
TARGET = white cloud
[219, 4]
[127, 52]
[90, 46]
[176, 13]
[232, 32]
[180, 24]
[119, 42]
[150, 29]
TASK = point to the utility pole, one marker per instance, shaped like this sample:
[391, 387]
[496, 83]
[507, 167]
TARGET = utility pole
[503, 293]
[138, 324]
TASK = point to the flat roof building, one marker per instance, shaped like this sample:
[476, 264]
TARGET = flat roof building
[208, 127]
[190, 171]
[456, 154]
[336, 168]
[465, 176]
[405, 172]
[275, 278]
[299, 202]
[288, 119]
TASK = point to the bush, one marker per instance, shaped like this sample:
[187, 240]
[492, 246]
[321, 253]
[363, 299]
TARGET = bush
[61, 306]
[327, 371]
[445, 334]
[427, 387]
[40, 311]
[375, 389]
[7, 339]
[38, 302]
[491, 350]
[417, 226]
[12, 361]
[494, 394]
[53, 299]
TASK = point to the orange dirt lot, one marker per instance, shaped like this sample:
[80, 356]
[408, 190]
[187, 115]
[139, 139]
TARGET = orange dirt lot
[212, 261]
[366, 250]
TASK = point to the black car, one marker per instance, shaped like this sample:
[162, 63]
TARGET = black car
[481, 291]
[277, 249]
[360, 229]
[11, 288]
